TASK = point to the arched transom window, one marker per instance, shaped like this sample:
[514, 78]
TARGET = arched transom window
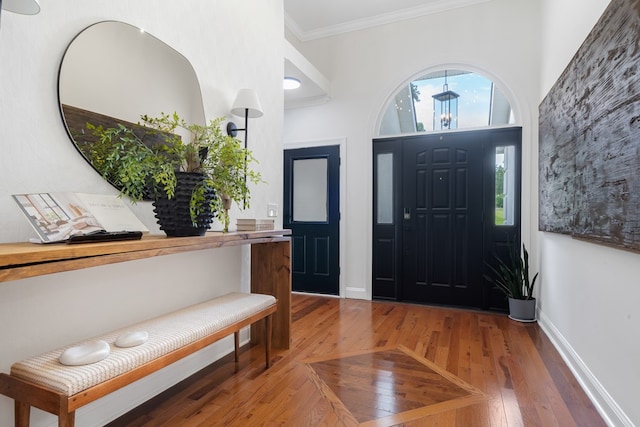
[444, 100]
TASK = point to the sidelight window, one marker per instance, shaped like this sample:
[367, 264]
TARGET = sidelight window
[384, 188]
[505, 163]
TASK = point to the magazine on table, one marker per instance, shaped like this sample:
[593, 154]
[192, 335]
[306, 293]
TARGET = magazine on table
[79, 217]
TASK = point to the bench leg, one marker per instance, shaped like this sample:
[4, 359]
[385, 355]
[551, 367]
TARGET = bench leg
[67, 420]
[236, 338]
[267, 338]
[22, 414]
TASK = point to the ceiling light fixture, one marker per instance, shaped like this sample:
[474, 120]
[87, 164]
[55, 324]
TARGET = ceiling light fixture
[291, 83]
[448, 100]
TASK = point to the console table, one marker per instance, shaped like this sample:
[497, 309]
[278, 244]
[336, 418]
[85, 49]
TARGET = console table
[270, 263]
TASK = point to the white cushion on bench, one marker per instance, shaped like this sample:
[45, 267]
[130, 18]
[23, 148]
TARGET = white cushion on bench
[166, 334]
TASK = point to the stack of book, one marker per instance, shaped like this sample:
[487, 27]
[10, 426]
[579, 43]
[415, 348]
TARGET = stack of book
[252, 224]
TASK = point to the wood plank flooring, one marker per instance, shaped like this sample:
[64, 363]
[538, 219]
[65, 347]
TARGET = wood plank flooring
[378, 364]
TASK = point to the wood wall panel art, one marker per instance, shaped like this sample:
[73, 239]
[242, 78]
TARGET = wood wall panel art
[589, 158]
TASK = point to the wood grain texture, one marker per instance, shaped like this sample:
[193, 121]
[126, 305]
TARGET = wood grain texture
[519, 377]
[270, 265]
[22, 260]
[589, 155]
[400, 385]
[271, 274]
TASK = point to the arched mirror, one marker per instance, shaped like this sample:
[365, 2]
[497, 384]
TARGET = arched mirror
[114, 73]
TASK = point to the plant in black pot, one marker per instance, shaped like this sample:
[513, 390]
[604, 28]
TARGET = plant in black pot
[188, 182]
[513, 278]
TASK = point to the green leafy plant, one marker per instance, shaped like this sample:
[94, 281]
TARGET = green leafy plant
[512, 276]
[148, 170]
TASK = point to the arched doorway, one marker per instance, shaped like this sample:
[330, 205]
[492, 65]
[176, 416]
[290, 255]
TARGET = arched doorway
[445, 199]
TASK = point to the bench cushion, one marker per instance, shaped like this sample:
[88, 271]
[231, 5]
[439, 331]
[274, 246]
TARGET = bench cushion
[166, 334]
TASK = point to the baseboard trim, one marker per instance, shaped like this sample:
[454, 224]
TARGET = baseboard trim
[356, 293]
[612, 414]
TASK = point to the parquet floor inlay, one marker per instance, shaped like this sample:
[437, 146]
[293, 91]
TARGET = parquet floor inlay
[387, 385]
[371, 363]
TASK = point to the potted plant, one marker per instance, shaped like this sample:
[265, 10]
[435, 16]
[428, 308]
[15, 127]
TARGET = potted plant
[195, 171]
[513, 278]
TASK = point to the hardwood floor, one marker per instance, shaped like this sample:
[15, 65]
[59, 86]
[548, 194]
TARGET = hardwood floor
[378, 364]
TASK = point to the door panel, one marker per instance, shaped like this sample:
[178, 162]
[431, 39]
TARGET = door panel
[442, 191]
[312, 212]
[298, 255]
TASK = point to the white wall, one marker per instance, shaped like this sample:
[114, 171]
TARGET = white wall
[589, 292]
[499, 39]
[232, 44]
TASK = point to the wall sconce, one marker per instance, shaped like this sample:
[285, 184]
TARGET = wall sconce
[248, 105]
[24, 7]
[448, 100]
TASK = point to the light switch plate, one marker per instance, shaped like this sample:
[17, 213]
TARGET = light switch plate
[272, 210]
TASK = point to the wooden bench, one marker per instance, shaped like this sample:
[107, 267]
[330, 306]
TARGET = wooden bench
[45, 383]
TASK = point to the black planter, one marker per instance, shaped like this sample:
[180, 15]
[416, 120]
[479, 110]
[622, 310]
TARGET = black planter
[522, 310]
[173, 214]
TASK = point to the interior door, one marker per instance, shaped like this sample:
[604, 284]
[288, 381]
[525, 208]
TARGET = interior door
[442, 219]
[312, 212]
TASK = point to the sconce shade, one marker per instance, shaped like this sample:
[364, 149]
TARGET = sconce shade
[25, 7]
[247, 99]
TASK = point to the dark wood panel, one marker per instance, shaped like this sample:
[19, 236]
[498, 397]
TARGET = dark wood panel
[590, 136]
[271, 274]
[76, 120]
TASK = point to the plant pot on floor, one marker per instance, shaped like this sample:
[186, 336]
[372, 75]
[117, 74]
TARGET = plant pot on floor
[174, 215]
[522, 310]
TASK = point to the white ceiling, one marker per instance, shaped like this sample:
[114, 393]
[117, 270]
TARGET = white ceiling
[313, 19]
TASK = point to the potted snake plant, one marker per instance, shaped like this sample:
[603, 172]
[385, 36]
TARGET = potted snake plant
[513, 278]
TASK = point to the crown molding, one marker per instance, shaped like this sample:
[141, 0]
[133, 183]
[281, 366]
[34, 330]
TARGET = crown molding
[387, 18]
